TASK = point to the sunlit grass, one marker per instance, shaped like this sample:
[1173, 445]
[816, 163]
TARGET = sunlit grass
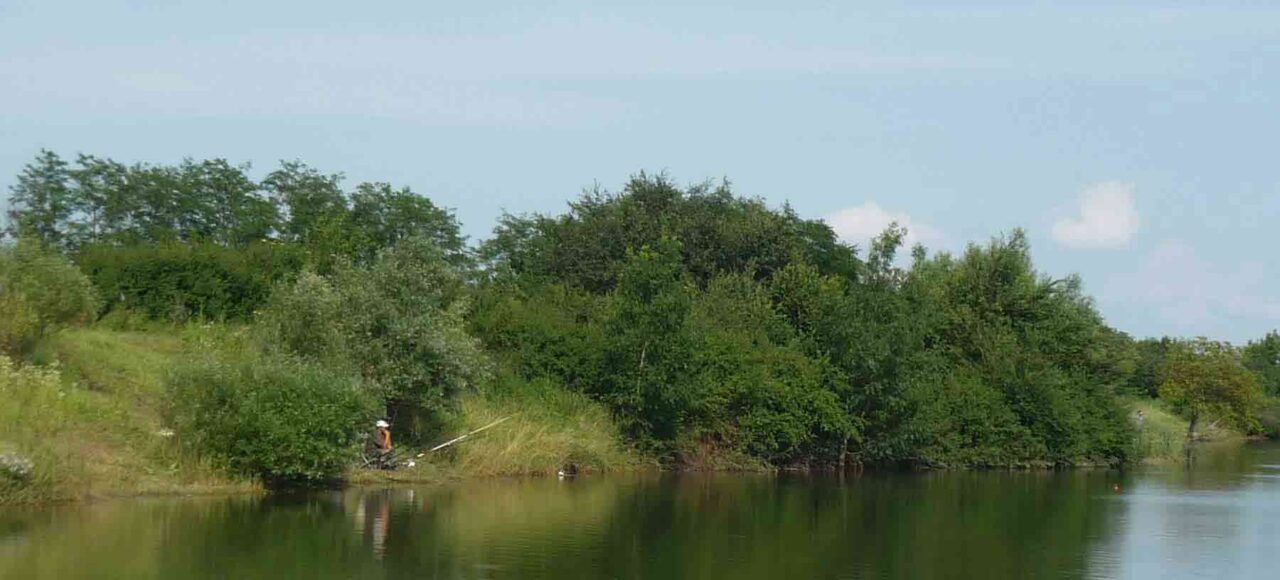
[91, 420]
[547, 429]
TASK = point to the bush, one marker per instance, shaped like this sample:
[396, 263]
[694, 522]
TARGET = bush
[284, 422]
[177, 282]
[39, 290]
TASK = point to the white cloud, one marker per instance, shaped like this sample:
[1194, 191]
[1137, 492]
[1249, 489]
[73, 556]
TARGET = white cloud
[1196, 296]
[862, 223]
[1108, 218]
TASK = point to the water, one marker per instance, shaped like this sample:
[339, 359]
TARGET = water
[1220, 519]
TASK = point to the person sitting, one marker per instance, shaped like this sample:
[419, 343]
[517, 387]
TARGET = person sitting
[382, 443]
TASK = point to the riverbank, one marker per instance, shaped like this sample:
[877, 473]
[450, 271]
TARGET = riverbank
[89, 416]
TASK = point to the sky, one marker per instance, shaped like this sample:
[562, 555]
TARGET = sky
[1135, 144]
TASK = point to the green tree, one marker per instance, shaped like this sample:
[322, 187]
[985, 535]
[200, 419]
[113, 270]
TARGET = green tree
[306, 198]
[399, 323]
[1204, 378]
[387, 215]
[647, 348]
[222, 204]
[1263, 357]
[41, 203]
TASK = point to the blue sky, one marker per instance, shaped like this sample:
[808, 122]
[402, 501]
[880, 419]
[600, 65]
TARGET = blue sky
[1136, 144]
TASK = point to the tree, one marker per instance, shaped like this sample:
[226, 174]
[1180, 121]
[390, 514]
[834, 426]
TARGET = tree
[647, 348]
[1263, 357]
[42, 202]
[1204, 378]
[386, 216]
[222, 203]
[305, 197]
[398, 323]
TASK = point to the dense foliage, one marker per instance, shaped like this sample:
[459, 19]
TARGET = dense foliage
[100, 201]
[179, 281]
[39, 290]
[707, 321]
[716, 330]
[284, 422]
[1263, 357]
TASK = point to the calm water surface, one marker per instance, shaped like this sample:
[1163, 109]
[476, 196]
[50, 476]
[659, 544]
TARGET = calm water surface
[1219, 519]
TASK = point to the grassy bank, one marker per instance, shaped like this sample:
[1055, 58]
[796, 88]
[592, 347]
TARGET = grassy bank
[545, 430]
[90, 418]
[1162, 436]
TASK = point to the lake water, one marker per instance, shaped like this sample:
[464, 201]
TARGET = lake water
[1219, 519]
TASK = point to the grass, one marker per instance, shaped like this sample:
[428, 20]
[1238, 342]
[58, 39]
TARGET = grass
[91, 419]
[548, 429]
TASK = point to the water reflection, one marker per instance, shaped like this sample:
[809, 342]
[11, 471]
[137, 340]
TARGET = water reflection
[1221, 519]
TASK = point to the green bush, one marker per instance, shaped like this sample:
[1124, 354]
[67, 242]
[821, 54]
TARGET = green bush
[39, 290]
[284, 422]
[178, 282]
[19, 324]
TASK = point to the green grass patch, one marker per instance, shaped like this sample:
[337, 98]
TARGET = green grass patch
[90, 419]
[549, 428]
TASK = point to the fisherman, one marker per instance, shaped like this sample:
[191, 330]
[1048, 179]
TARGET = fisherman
[382, 441]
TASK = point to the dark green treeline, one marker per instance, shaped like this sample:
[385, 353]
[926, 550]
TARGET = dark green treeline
[718, 330]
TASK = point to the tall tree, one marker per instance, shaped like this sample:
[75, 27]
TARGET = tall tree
[223, 203]
[306, 198]
[387, 215]
[42, 202]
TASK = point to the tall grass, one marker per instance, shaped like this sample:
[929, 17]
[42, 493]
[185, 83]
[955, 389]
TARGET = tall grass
[36, 417]
[549, 428]
[1162, 436]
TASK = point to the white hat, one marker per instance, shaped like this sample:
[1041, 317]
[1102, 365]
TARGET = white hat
[382, 423]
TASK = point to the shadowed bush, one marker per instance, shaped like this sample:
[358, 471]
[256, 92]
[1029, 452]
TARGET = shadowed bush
[286, 423]
[177, 282]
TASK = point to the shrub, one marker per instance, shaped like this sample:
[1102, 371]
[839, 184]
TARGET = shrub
[284, 422]
[177, 282]
[39, 289]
